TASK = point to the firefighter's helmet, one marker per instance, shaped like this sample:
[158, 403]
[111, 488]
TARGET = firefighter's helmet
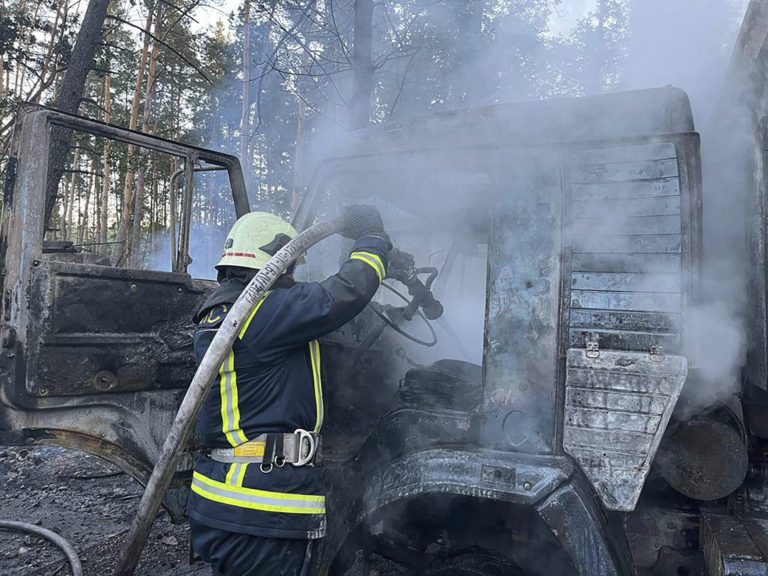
[254, 239]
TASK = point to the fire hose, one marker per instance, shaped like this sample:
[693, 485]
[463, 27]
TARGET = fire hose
[66, 547]
[172, 450]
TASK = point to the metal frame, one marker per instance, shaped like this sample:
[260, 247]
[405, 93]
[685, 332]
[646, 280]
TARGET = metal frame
[33, 135]
[757, 366]
[123, 426]
[22, 227]
[179, 257]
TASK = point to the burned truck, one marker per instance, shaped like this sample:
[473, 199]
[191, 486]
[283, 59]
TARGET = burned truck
[524, 425]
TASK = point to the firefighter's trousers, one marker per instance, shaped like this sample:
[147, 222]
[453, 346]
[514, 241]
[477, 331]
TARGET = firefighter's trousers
[232, 554]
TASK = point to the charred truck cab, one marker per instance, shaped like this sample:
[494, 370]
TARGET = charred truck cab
[586, 214]
[516, 434]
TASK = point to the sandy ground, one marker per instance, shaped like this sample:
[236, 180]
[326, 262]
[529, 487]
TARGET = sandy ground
[89, 502]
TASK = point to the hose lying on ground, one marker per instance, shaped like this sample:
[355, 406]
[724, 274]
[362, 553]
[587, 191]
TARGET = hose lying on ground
[181, 428]
[66, 547]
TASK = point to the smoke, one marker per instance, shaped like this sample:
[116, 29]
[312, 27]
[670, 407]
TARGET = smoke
[205, 247]
[213, 214]
[540, 50]
[718, 349]
[685, 44]
[432, 206]
[679, 43]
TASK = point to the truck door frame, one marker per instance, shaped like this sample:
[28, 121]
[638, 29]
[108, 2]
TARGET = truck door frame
[123, 425]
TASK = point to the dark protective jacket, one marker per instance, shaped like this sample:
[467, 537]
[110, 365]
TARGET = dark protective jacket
[272, 382]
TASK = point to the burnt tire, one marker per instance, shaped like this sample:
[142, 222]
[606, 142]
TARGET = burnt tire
[473, 564]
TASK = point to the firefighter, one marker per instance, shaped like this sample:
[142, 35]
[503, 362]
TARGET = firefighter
[257, 505]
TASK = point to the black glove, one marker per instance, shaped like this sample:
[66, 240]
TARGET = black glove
[401, 266]
[362, 220]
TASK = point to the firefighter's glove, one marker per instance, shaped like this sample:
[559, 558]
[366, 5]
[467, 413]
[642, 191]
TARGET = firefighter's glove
[401, 266]
[363, 220]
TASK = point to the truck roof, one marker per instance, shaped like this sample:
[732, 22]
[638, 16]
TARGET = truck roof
[559, 120]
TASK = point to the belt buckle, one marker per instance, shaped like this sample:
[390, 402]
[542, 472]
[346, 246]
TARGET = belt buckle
[306, 439]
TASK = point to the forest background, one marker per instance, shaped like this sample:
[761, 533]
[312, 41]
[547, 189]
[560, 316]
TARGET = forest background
[279, 82]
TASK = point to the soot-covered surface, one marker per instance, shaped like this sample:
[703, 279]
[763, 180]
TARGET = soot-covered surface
[90, 503]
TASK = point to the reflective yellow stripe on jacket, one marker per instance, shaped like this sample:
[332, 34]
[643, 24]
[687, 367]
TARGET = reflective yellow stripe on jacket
[372, 260]
[256, 499]
[236, 473]
[230, 411]
[317, 379]
[230, 408]
[251, 315]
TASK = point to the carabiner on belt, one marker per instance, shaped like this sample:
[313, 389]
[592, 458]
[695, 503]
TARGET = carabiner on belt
[307, 448]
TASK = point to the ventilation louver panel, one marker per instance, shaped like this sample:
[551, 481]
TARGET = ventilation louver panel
[625, 233]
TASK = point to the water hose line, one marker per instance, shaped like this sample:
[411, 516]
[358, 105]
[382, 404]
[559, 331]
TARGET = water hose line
[66, 547]
[172, 450]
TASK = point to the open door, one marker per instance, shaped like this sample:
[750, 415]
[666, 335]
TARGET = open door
[96, 356]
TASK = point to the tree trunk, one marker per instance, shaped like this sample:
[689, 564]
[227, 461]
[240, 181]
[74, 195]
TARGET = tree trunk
[298, 157]
[20, 9]
[245, 158]
[63, 5]
[154, 202]
[362, 62]
[2, 81]
[84, 220]
[133, 253]
[104, 211]
[24, 44]
[71, 92]
[96, 235]
[69, 199]
[102, 197]
[62, 214]
[163, 207]
[119, 253]
[301, 138]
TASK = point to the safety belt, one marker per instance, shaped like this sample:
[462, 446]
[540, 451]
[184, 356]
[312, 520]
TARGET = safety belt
[273, 449]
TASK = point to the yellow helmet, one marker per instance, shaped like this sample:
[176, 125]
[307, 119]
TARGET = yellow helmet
[254, 239]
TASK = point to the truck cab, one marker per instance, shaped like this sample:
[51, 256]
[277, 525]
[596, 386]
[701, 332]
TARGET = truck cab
[573, 228]
[513, 433]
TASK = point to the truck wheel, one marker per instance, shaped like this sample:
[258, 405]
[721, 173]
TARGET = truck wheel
[473, 564]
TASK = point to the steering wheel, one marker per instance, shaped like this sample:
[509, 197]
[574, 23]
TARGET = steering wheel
[393, 317]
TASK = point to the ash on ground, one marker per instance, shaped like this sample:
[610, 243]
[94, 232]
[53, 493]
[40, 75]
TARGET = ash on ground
[89, 502]
[92, 503]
